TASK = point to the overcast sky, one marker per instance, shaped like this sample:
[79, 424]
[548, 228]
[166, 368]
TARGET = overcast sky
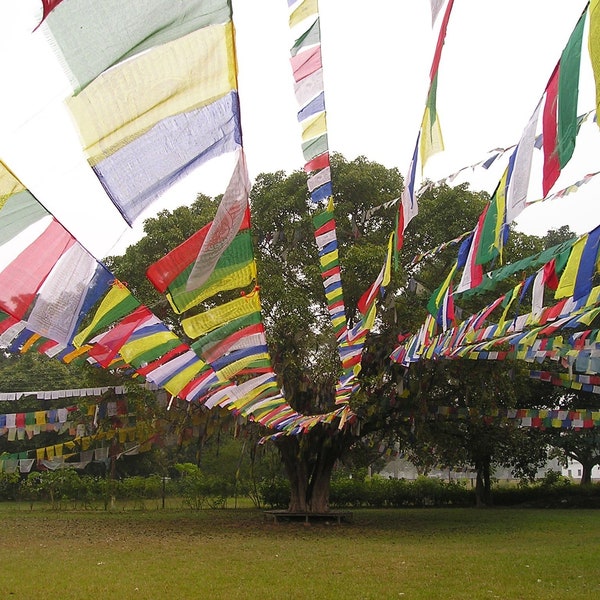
[377, 54]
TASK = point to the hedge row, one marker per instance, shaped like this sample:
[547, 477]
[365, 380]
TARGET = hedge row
[378, 492]
[197, 491]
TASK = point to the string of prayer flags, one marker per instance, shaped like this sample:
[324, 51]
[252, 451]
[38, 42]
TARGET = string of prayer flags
[161, 132]
[559, 118]
[326, 239]
[429, 139]
[431, 133]
[307, 69]
[584, 383]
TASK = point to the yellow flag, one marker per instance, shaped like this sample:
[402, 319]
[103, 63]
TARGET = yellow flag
[205, 322]
[304, 10]
[131, 350]
[117, 294]
[192, 83]
[566, 285]
[594, 46]
[315, 128]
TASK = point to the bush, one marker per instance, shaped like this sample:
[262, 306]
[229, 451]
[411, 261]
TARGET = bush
[275, 493]
[9, 486]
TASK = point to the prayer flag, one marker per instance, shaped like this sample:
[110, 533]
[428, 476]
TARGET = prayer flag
[473, 273]
[78, 30]
[594, 46]
[117, 303]
[161, 114]
[310, 37]
[226, 224]
[408, 207]
[215, 317]
[516, 194]
[566, 285]
[559, 118]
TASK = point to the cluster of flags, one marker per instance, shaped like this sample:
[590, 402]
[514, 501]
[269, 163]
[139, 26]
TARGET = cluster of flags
[157, 101]
[161, 99]
[565, 273]
[154, 103]
[521, 417]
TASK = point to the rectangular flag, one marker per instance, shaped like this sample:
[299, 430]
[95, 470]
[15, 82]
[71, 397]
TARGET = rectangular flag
[91, 37]
[225, 226]
[149, 121]
[559, 119]
[594, 46]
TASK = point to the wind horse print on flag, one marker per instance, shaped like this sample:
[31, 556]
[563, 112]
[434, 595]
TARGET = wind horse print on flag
[157, 101]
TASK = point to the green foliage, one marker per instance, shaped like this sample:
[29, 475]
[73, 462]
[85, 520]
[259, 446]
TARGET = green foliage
[379, 492]
[275, 493]
[9, 486]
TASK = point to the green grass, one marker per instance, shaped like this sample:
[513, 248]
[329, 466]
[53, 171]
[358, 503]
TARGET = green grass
[235, 554]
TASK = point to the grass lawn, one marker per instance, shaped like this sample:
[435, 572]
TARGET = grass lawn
[235, 554]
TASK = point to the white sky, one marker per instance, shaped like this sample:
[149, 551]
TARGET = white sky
[377, 54]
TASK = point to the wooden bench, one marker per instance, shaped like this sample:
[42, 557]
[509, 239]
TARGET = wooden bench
[278, 516]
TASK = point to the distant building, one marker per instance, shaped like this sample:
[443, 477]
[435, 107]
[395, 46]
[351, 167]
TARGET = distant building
[400, 468]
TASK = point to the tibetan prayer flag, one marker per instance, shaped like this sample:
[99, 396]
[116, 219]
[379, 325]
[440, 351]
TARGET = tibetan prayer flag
[559, 117]
[225, 226]
[436, 6]
[431, 132]
[224, 277]
[408, 207]
[473, 273]
[305, 9]
[310, 37]
[79, 30]
[516, 194]
[107, 346]
[306, 63]
[206, 343]
[588, 266]
[117, 303]
[56, 310]
[594, 46]
[440, 293]
[165, 271]
[492, 233]
[205, 322]
[309, 87]
[149, 121]
[566, 285]
[21, 279]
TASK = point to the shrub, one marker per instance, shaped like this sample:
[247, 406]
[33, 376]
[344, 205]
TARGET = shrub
[275, 493]
[9, 486]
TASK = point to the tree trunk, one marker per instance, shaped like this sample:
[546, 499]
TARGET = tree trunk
[586, 473]
[483, 483]
[309, 460]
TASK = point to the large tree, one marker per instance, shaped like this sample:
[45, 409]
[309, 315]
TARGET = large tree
[301, 340]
